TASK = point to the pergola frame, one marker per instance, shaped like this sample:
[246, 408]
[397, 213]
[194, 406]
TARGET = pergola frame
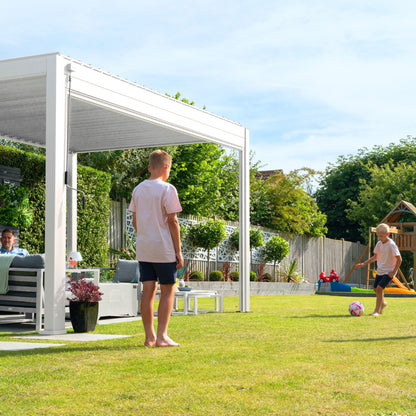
[69, 107]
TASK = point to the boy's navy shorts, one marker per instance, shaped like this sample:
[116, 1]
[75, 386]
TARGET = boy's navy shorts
[382, 280]
[165, 273]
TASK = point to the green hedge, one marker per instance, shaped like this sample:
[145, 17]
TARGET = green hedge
[92, 222]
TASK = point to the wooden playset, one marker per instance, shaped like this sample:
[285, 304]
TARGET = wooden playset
[404, 235]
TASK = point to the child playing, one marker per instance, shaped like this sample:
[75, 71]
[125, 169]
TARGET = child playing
[154, 205]
[388, 260]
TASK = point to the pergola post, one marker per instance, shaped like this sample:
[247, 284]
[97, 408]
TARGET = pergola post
[55, 204]
[244, 220]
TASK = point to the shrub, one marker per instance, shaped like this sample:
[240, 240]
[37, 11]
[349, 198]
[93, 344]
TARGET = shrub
[253, 277]
[235, 276]
[226, 270]
[92, 221]
[196, 275]
[15, 208]
[267, 277]
[216, 276]
[290, 272]
[83, 291]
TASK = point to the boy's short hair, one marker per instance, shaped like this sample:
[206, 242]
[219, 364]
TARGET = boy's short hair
[383, 228]
[159, 159]
[8, 230]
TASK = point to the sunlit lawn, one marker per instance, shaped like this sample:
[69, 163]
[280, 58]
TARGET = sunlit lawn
[293, 355]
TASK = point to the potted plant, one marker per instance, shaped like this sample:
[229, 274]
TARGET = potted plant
[83, 305]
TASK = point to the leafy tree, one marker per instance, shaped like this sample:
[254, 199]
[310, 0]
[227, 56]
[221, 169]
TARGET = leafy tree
[196, 174]
[388, 184]
[275, 250]
[207, 235]
[341, 183]
[256, 239]
[127, 168]
[284, 206]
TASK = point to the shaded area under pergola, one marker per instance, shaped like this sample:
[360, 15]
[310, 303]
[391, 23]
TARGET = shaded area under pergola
[69, 107]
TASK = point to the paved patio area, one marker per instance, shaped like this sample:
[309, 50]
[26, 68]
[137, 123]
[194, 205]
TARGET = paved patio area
[24, 328]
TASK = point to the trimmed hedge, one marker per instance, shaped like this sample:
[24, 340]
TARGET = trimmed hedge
[196, 275]
[216, 276]
[235, 276]
[92, 222]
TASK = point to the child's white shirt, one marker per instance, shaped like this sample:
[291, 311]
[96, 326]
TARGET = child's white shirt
[386, 256]
[152, 200]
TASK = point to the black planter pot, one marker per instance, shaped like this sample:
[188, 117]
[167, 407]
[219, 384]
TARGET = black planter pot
[83, 315]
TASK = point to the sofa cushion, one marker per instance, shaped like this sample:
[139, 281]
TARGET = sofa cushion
[32, 261]
[127, 271]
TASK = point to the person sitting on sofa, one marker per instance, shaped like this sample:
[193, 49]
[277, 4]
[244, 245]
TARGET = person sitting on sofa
[7, 240]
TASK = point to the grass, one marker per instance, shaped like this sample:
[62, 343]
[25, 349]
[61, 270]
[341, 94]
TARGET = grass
[294, 355]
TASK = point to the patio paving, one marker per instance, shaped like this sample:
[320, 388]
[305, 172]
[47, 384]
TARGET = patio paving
[71, 336]
[24, 346]
[20, 326]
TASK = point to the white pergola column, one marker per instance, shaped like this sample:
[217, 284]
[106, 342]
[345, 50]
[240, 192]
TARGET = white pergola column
[55, 204]
[244, 219]
[72, 235]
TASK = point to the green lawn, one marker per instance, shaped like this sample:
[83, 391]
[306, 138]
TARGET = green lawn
[294, 355]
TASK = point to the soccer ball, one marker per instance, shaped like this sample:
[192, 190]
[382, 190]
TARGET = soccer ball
[356, 308]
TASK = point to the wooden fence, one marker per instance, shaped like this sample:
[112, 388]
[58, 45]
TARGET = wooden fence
[313, 255]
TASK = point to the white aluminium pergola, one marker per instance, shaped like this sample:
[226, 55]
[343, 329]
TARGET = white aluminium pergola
[68, 107]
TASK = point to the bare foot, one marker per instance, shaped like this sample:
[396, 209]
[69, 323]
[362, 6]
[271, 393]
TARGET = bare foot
[150, 343]
[166, 342]
[382, 307]
[374, 314]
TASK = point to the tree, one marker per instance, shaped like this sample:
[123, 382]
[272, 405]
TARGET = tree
[388, 184]
[280, 203]
[275, 250]
[207, 235]
[197, 175]
[340, 184]
[127, 168]
[256, 240]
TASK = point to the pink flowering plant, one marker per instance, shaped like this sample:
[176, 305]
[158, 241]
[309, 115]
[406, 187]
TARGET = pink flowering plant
[84, 291]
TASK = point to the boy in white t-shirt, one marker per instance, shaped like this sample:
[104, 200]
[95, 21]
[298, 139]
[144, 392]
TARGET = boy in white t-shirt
[388, 260]
[154, 205]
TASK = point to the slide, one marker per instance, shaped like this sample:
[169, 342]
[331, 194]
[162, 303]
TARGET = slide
[399, 283]
[401, 288]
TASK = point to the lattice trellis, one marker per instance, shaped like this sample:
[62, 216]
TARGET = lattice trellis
[223, 253]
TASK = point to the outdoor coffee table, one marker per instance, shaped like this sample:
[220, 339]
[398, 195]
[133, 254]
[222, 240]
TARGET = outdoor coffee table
[195, 295]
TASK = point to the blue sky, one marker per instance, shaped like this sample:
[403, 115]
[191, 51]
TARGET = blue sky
[311, 80]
